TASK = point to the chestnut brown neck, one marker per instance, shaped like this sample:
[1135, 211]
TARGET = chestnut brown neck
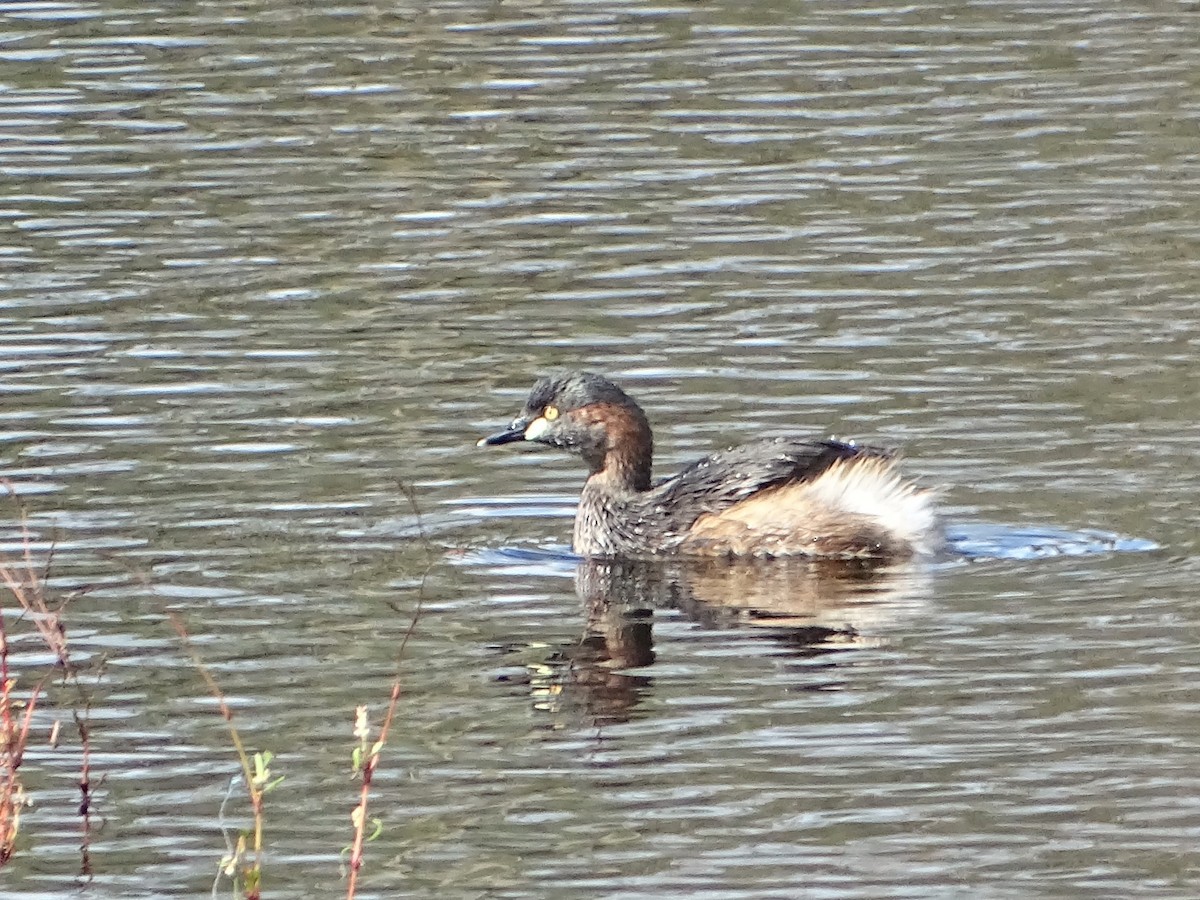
[623, 460]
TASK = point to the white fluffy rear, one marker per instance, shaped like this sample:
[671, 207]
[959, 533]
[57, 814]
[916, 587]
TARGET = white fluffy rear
[872, 489]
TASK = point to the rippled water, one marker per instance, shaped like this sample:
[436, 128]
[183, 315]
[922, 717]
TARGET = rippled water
[263, 264]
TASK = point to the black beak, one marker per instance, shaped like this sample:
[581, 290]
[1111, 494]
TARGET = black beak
[514, 432]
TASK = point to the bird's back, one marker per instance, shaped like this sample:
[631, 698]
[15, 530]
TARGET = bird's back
[787, 496]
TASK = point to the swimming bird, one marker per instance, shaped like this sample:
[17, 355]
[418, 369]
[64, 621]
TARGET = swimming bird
[770, 497]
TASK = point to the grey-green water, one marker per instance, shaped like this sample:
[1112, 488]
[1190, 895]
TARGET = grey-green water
[260, 263]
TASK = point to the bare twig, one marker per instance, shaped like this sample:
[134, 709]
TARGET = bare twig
[366, 754]
[85, 794]
[366, 759]
[25, 582]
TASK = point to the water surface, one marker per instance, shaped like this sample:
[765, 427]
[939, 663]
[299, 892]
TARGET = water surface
[263, 264]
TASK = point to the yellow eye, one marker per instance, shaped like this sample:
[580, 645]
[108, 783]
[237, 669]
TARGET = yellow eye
[550, 413]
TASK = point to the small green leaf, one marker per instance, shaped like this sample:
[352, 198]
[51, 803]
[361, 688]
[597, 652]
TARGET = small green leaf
[378, 823]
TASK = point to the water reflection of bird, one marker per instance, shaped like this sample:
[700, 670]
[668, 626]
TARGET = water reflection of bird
[770, 497]
[808, 609]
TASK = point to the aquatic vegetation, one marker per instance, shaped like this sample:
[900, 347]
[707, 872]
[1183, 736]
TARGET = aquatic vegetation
[26, 599]
[365, 756]
[242, 864]
[23, 577]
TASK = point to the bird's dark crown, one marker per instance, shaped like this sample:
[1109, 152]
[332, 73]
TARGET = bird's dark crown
[574, 390]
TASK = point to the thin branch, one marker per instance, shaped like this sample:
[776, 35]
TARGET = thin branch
[255, 792]
[367, 756]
